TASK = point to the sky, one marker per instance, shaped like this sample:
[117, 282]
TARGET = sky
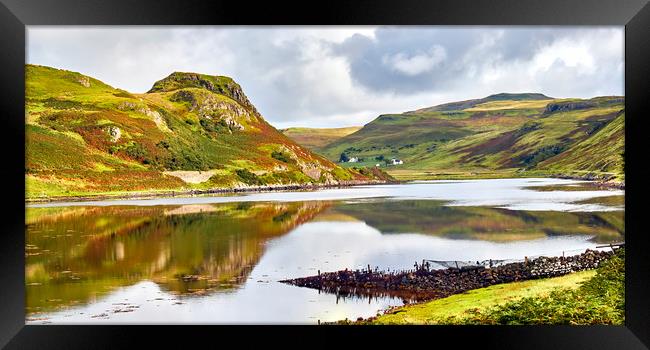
[344, 76]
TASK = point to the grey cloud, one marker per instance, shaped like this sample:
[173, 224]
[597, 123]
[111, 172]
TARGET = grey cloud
[304, 76]
[465, 47]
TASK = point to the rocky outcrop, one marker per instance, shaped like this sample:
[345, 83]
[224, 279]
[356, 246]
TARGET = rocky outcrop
[144, 109]
[84, 81]
[127, 106]
[214, 108]
[114, 132]
[217, 84]
[568, 106]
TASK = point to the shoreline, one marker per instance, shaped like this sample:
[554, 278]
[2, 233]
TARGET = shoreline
[152, 194]
[425, 284]
[608, 181]
[601, 182]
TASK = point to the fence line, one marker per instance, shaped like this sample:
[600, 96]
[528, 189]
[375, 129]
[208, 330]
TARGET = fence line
[499, 262]
[430, 264]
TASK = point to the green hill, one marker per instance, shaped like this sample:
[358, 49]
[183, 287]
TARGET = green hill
[190, 131]
[500, 135]
[317, 138]
[454, 106]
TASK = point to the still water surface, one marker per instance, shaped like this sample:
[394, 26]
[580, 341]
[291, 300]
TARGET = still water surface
[217, 259]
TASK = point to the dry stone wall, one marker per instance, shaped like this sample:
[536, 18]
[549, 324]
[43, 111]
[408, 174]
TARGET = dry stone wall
[423, 283]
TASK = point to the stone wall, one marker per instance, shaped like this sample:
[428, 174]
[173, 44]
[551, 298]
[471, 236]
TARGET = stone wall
[424, 283]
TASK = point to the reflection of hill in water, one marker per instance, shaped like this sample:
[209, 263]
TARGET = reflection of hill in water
[75, 254]
[482, 223]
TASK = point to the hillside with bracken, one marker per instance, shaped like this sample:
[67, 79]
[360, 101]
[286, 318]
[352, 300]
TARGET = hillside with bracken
[188, 132]
[499, 135]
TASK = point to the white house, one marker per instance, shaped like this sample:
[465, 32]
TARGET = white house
[353, 160]
[396, 161]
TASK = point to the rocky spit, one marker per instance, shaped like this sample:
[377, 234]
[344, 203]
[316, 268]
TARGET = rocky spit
[423, 283]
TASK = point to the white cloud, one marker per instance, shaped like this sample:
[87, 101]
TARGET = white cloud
[566, 52]
[416, 64]
[339, 76]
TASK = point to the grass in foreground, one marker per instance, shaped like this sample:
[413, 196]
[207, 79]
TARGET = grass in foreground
[438, 311]
[588, 297]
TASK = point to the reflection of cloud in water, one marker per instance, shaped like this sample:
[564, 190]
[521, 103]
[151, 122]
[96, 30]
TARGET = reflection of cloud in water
[186, 249]
[325, 246]
[240, 246]
[318, 241]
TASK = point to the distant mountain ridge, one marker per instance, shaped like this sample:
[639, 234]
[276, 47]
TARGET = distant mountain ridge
[317, 138]
[453, 106]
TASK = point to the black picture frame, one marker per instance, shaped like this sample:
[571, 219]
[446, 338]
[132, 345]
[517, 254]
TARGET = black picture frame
[15, 15]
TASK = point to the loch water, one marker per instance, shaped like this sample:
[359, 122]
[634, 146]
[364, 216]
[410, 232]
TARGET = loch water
[218, 259]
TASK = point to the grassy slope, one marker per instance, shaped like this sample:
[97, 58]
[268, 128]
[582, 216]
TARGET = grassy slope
[587, 297]
[317, 138]
[186, 122]
[438, 311]
[494, 137]
[600, 153]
